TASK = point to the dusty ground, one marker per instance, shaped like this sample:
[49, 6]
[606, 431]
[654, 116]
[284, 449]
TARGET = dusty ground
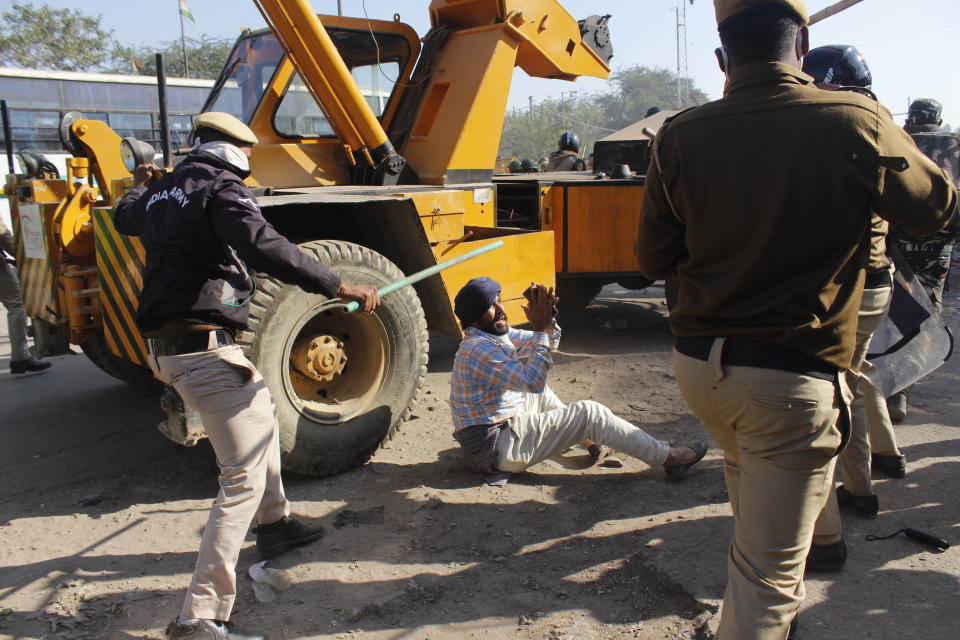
[100, 517]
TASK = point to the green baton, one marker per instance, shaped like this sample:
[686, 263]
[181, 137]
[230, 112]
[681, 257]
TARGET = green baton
[353, 305]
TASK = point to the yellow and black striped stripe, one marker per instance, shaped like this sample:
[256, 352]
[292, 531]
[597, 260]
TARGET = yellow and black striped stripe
[36, 278]
[120, 261]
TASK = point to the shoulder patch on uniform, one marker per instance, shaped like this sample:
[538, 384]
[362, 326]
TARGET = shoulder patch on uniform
[251, 202]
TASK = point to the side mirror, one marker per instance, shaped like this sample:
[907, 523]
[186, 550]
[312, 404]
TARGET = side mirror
[36, 165]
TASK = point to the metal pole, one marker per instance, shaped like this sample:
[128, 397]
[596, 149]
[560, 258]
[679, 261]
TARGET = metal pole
[339, 7]
[164, 118]
[8, 141]
[426, 273]
[833, 9]
[183, 47]
[679, 96]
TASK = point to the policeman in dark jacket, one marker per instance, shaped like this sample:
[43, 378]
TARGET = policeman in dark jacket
[928, 257]
[202, 229]
[567, 156]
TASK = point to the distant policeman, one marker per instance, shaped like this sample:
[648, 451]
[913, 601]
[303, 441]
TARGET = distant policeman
[567, 156]
[203, 233]
[21, 358]
[759, 203]
[930, 257]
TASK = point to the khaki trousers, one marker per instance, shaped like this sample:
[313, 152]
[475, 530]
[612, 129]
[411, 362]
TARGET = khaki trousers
[240, 419]
[548, 427]
[16, 317]
[779, 436]
[871, 428]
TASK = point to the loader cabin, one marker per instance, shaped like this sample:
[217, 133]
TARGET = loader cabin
[298, 146]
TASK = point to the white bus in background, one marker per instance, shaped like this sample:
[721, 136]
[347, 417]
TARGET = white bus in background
[37, 101]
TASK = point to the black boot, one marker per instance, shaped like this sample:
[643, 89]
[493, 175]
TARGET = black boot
[30, 365]
[890, 466]
[827, 557]
[210, 630]
[866, 506]
[276, 537]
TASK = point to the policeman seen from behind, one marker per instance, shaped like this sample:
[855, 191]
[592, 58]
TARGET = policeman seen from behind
[203, 230]
[567, 156]
[769, 255]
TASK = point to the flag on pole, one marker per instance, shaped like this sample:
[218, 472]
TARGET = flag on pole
[185, 11]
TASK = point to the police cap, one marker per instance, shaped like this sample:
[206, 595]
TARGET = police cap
[726, 9]
[226, 124]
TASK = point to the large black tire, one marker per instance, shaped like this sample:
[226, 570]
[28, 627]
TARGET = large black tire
[96, 349]
[576, 293]
[330, 425]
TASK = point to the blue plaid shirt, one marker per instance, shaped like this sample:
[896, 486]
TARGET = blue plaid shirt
[491, 374]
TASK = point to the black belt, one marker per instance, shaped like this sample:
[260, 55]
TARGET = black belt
[878, 280]
[188, 343]
[757, 353]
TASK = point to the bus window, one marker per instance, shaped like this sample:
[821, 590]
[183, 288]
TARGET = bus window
[30, 92]
[138, 125]
[180, 127]
[38, 129]
[186, 99]
[132, 97]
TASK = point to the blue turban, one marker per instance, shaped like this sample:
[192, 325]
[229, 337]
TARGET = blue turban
[474, 299]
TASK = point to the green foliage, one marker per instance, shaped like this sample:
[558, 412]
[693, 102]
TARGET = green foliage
[69, 40]
[49, 38]
[205, 57]
[533, 133]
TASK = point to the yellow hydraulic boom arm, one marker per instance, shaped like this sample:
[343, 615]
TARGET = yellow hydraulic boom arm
[452, 110]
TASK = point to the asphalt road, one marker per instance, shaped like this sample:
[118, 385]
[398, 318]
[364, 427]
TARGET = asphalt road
[75, 439]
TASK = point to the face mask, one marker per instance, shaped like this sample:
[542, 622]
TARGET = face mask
[228, 153]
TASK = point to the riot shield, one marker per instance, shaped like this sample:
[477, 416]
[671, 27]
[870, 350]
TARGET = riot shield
[912, 340]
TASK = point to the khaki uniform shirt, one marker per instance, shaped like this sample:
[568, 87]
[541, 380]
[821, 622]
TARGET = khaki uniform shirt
[772, 190]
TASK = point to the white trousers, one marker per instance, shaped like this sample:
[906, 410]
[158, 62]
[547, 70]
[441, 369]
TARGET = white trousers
[549, 427]
[240, 419]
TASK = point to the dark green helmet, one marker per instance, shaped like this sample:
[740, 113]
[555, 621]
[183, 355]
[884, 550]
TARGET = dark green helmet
[528, 165]
[516, 166]
[925, 111]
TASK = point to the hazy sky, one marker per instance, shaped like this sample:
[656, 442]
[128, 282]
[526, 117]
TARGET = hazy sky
[909, 46]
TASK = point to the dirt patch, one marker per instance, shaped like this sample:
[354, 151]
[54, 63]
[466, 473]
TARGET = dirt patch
[100, 518]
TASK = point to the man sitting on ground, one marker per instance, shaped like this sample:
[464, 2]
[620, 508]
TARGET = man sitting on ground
[505, 415]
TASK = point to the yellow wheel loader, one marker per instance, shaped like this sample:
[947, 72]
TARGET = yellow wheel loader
[376, 155]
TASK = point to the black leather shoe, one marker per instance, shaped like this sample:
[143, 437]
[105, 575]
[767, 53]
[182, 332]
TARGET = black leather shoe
[827, 557]
[677, 471]
[210, 630]
[30, 365]
[276, 537]
[897, 406]
[865, 506]
[890, 466]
